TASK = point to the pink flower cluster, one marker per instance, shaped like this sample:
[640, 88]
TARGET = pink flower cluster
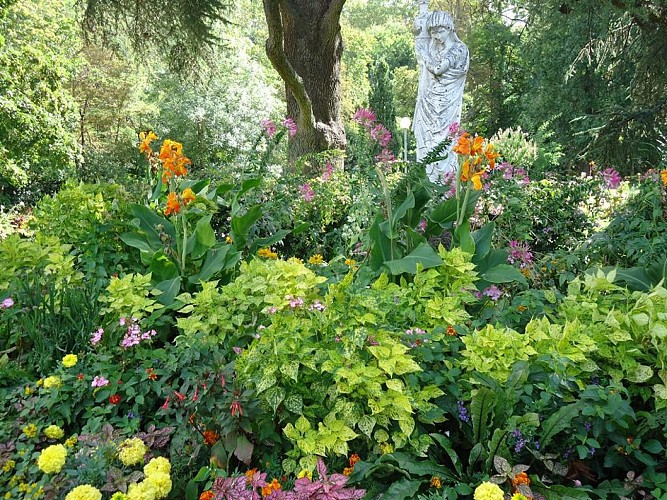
[95, 337]
[7, 303]
[520, 253]
[270, 128]
[612, 179]
[307, 192]
[133, 336]
[99, 381]
[378, 132]
[510, 172]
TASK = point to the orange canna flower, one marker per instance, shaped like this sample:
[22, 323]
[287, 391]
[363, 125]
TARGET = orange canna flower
[347, 471]
[491, 155]
[463, 145]
[170, 149]
[173, 206]
[477, 144]
[477, 180]
[146, 138]
[173, 161]
[188, 196]
[354, 458]
[465, 171]
[663, 174]
[521, 478]
[207, 495]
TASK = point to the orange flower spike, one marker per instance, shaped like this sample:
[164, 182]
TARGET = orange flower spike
[663, 175]
[146, 138]
[173, 206]
[188, 196]
[463, 145]
[465, 171]
[477, 144]
[354, 458]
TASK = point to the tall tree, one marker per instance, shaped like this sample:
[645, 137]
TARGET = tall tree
[305, 47]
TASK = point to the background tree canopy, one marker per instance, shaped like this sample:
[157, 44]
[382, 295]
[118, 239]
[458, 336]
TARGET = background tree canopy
[586, 79]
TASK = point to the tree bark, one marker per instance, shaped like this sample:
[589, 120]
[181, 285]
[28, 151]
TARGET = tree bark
[305, 47]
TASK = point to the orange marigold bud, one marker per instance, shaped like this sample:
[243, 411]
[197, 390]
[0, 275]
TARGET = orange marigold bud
[207, 495]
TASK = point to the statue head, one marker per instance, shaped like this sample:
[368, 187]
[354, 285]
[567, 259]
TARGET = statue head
[440, 19]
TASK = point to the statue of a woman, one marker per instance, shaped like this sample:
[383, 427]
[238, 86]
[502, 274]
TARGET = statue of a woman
[443, 61]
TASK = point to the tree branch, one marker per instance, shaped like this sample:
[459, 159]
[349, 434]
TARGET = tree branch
[276, 53]
[331, 19]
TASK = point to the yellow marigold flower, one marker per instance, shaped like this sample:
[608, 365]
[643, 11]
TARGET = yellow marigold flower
[348, 470]
[160, 483]
[519, 496]
[70, 360]
[40, 382]
[132, 451]
[141, 491]
[229, 240]
[30, 430]
[316, 259]
[9, 466]
[350, 262]
[70, 442]
[53, 381]
[436, 482]
[84, 492]
[54, 432]
[52, 459]
[305, 473]
[188, 196]
[488, 491]
[119, 496]
[663, 175]
[271, 487]
[157, 465]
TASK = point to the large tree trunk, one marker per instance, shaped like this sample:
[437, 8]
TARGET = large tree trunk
[305, 47]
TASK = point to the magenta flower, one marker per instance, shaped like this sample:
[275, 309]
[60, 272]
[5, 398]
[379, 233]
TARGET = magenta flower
[328, 172]
[95, 337]
[454, 129]
[290, 124]
[380, 134]
[99, 381]
[269, 127]
[520, 253]
[307, 193]
[385, 156]
[612, 179]
[364, 117]
[7, 303]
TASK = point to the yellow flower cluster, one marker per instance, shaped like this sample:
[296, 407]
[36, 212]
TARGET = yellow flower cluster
[52, 381]
[54, 432]
[52, 459]
[488, 491]
[70, 442]
[132, 451]
[70, 360]
[30, 430]
[157, 484]
[9, 466]
[84, 492]
[267, 253]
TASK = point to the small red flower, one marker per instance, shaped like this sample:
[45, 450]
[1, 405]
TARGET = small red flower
[151, 373]
[165, 405]
[79, 376]
[180, 396]
[235, 407]
[115, 399]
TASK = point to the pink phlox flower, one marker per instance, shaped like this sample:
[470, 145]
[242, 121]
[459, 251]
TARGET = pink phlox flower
[307, 192]
[317, 306]
[99, 381]
[7, 303]
[290, 124]
[612, 179]
[237, 350]
[380, 134]
[364, 117]
[121, 321]
[295, 302]
[95, 337]
[269, 127]
[493, 292]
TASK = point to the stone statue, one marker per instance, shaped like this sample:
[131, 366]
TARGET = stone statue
[443, 61]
